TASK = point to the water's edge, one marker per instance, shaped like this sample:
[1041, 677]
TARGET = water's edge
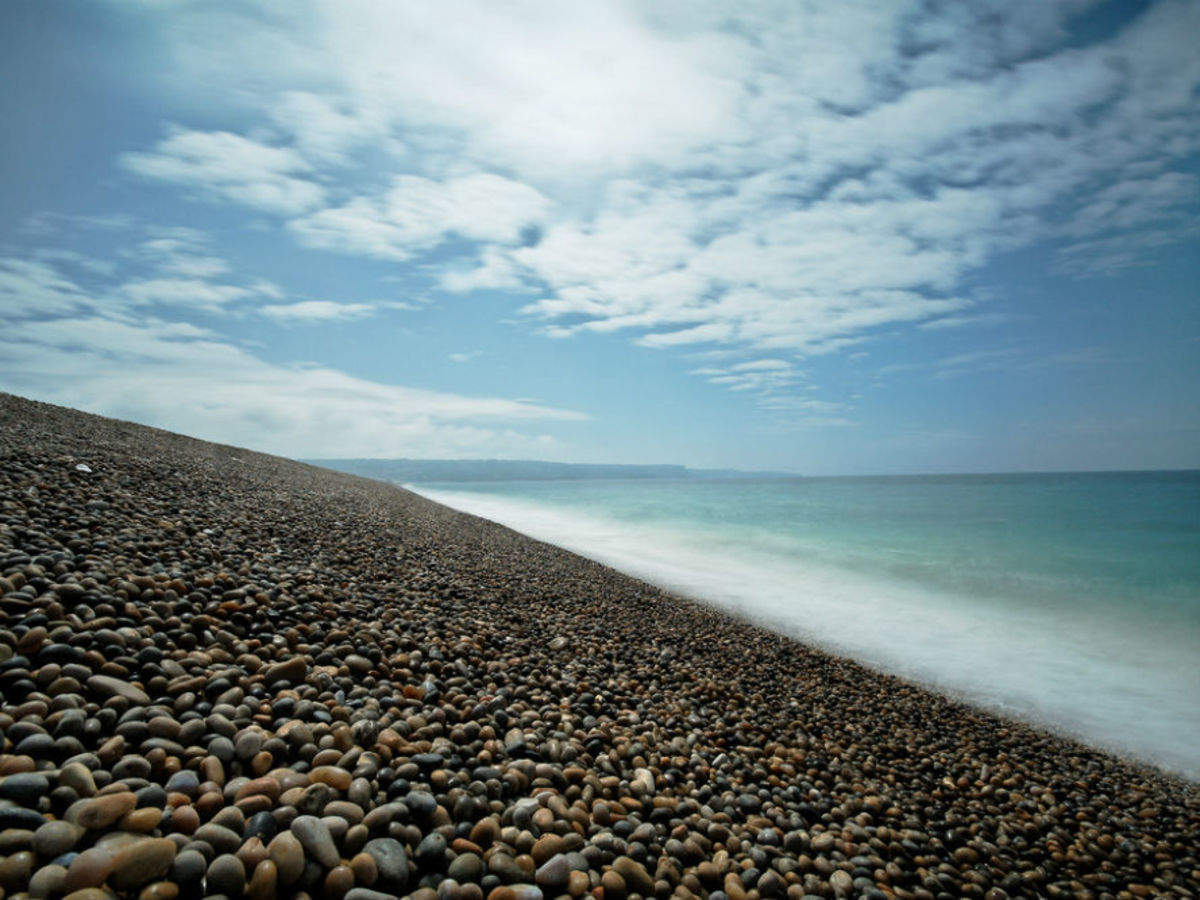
[1038, 667]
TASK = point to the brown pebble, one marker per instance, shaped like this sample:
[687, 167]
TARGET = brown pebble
[89, 869]
[339, 880]
[102, 811]
[263, 882]
[160, 890]
[142, 862]
[287, 853]
[364, 869]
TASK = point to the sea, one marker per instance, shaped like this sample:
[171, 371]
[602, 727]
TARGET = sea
[1071, 601]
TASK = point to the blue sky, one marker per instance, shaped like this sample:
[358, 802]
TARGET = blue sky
[825, 237]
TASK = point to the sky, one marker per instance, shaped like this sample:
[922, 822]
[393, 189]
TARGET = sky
[824, 237]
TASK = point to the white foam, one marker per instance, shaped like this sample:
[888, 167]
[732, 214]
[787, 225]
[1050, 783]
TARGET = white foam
[1133, 691]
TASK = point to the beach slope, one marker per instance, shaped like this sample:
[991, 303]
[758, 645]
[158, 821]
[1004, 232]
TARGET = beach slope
[226, 673]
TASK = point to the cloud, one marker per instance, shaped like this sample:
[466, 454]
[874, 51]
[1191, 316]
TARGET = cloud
[232, 167]
[418, 213]
[964, 321]
[763, 180]
[35, 289]
[190, 379]
[310, 311]
[465, 357]
[764, 376]
[182, 292]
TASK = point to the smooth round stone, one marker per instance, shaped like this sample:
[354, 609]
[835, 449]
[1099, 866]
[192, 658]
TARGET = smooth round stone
[578, 883]
[339, 880]
[185, 781]
[391, 861]
[160, 890]
[261, 825]
[314, 835]
[48, 881]
[220, 838]
[107, 686]
[15, 871]
[841, 882]
[13, 840]
[505, 868]
[55, 838]
[613, 884]
[142, 821]
[431, 852]
[188, 867]
[100, 812]
[88, 869]
[226, 875]
[364, 868]
[145, 861]
[248, 744]
[78, 778]
[635, 875]
[338, 779]
[20, 817]
[185, 820]
[422, 804]
[264, 882]
[554, 873]
[429, 761]
[25, 788]
[286, 851]
[292, 670]
[466, 867]
[516, 892]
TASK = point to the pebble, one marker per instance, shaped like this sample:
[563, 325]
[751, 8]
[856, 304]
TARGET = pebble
[107, 686]
[142, 862]
[55, 838]
[316, 839]
[100, 812]
[391, 861]
[25, 788]
[226, 875]
[286, 851]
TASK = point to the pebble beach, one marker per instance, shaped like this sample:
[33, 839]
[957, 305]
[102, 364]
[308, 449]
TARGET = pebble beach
[227, 674]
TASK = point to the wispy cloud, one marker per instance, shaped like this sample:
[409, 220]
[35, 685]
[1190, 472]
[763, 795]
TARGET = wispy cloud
[772, 182]
[232, 167]
[835, 177]
[417, 214]
[108, 350]
[311, 311]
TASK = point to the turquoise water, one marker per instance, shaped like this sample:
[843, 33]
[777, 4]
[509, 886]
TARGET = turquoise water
[1071, 600]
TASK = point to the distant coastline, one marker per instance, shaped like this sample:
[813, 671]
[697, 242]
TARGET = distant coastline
[423, 471]
[403, 471]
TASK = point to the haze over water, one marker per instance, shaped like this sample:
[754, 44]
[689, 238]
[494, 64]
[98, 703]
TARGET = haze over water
[1071, 600]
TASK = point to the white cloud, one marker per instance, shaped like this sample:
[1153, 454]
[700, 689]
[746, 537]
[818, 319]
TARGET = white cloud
[419, 213]
[233, 167]
[182, 292]
[964, 321]
[308, 311]
[36, 289]
[465, 357]
[768, 179]
[98, 356]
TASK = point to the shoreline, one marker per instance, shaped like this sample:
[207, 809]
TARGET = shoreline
[713, 590]
[744, 762]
